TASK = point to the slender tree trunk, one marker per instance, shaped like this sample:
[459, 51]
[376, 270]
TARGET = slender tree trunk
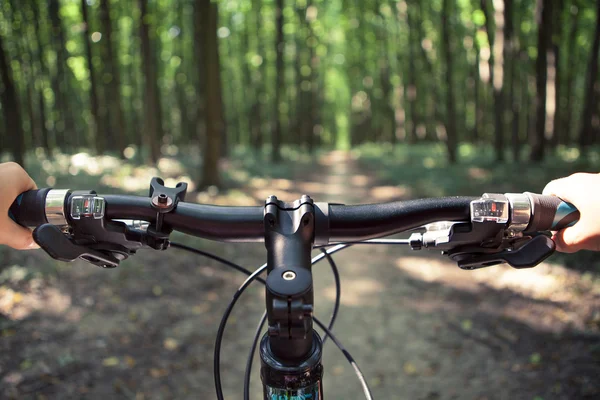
[510, 76]
[43, 70]
[10, 107]
[64, 126]
[114, 87]
[556, 40]
[538, 139]
[96, 125]
[411, 87]
[496, 66]
[214, 118]
[199, 73]
[586, 132]
[450, 110]
[279, 82]
[152, 128]
[567, 130]
[258, 82]
[477, 96]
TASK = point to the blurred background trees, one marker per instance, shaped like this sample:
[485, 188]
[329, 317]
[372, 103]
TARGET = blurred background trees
[108, 75]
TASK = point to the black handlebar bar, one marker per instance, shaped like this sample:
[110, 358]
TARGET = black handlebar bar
[345, 222]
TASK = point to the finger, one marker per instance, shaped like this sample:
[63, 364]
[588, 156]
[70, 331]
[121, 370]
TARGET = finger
[570, 240]
[17, 237]
[19, 181]
[558, 187]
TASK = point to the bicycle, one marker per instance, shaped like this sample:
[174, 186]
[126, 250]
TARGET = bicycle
[475, 232]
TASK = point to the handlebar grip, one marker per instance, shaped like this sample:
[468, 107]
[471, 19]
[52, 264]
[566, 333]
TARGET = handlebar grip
[29, 208]
[550, 213]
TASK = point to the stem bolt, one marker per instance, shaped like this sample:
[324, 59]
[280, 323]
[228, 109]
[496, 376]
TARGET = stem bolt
[289, 275]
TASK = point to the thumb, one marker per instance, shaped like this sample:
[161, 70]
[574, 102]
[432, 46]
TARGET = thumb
[570, 240]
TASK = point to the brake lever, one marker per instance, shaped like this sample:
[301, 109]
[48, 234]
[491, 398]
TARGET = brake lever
[528, 255]
[51, 239]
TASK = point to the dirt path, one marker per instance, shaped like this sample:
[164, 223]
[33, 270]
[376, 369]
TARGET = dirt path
[419, 327]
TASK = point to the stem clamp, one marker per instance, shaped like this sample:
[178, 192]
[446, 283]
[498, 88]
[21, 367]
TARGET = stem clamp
[164, 200]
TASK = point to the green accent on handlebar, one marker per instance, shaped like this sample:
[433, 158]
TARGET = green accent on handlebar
[564, 213]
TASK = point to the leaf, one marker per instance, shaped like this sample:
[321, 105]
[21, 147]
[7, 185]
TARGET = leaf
[130, 361]
[110, 362]
[170, 344]
[157, 290]
[466, 325]
[158, 372]
[25, 364]
[409, 368]
[535, 359]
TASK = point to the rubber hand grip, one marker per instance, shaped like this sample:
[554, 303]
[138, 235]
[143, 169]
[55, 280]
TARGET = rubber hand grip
[550, 213]
[29, 208]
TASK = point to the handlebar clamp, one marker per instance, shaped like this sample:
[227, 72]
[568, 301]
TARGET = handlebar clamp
[163, 200]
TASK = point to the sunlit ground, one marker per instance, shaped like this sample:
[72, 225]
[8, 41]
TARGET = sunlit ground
[381, 286]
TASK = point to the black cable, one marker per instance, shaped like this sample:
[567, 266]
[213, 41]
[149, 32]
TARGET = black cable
[357, 370]
[224, 318]
[370, 241]
[338, 292]
[216, 258]
[251, 356]
[236, 295]
[253, 276]
[259, 328]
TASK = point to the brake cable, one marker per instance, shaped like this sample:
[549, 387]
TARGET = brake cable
[259, 328]
[255, 276]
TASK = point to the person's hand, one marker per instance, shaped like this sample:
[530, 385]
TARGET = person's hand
[583, 191]
[14, 181]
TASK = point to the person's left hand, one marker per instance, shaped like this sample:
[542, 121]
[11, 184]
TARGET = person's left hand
[14, 181]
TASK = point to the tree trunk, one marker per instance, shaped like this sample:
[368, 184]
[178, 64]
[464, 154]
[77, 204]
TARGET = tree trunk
[538, 139]
[510, 76]
[152, 128]
[64, 127]
[10, 107]
[586, 132]
[567, 132]
[279, 82]
[118, 128]
[43, 73]
[411, 87]
[214, 113]
[556, 39]
[450, 110]
[477, 96]
[97, 125]
[257, 109]
[496, 66]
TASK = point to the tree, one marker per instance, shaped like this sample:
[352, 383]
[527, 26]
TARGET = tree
[586, 132]
[117, 130]
[97, 124]
[209, 14]
[496, 67]
[538, 139]
[450, 110]
[152, 127]
[279, 82]
[11, 108]
[571, 49]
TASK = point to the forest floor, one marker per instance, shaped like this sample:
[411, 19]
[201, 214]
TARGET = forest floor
[419, 327]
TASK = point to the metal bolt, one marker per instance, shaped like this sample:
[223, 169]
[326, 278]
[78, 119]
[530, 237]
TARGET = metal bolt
[289, 275]
[162, 198]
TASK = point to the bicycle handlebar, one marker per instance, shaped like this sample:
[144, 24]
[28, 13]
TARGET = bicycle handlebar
[245, 224]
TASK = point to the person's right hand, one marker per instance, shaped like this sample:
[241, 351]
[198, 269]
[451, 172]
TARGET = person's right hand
[583, 191]
[14, 181]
